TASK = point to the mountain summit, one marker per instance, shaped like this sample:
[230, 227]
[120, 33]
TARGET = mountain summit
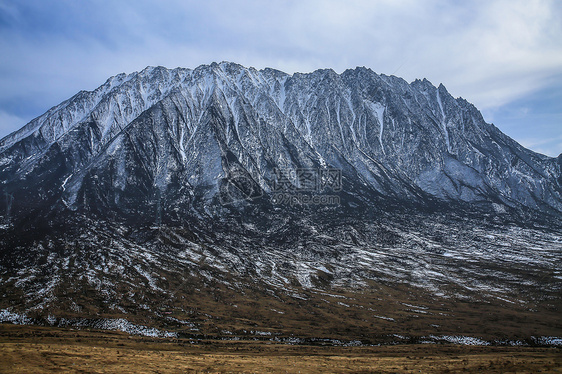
[183, 131]
[164, 181]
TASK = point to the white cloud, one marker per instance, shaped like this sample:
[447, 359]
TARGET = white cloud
[489, 52]
[10, 122]
[547, 146]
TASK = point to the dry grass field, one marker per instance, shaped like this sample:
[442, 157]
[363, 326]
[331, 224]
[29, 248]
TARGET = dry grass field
[28, 349]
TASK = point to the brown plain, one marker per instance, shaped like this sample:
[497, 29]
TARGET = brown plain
[29, 349]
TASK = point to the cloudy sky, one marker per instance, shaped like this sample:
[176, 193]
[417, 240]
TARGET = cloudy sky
[504, 56]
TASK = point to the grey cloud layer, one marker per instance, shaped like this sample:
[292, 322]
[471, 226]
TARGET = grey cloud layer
[490, 52]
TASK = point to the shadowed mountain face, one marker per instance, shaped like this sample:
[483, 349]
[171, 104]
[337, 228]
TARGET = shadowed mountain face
[294, 182]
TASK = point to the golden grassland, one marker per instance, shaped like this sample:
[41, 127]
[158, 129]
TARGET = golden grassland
[32, 349]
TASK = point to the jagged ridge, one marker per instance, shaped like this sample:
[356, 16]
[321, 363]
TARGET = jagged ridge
[119, 194]
[175, 126]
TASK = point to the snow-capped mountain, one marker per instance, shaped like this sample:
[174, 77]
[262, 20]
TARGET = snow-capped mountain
[165, 130]
[296, 182]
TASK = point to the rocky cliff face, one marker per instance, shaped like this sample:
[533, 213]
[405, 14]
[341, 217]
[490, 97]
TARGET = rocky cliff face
[307, 180]
[181, 133]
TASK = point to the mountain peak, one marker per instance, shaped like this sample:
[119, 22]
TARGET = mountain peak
[201, 191]
[397, 138]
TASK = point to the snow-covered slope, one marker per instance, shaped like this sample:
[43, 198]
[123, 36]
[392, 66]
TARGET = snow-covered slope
[398, 139]
[167, 172]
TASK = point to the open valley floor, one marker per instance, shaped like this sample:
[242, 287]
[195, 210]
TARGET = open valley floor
[32, 349]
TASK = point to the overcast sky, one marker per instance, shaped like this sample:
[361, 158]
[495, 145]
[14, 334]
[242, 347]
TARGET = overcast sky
[504, 56]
